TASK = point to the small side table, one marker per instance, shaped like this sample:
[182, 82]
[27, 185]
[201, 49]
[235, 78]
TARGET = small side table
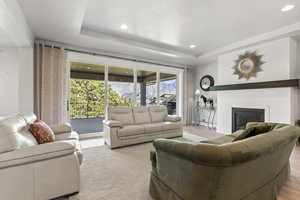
[200, 110]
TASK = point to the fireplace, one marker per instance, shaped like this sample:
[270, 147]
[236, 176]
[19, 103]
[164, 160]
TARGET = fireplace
[241, 116]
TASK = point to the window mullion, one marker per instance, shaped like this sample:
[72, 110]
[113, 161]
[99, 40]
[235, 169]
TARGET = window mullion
[106, 99]
[157, 88]
[135, 84]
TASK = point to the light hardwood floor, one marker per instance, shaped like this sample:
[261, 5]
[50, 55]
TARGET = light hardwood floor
[291, 190]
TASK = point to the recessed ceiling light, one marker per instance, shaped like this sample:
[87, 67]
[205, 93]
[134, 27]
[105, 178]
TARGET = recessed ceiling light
[124, 27]
[192, 46]
[287, 8]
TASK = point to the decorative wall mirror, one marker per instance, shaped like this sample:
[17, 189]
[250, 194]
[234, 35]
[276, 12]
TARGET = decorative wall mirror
[206, 82]
[248, 65]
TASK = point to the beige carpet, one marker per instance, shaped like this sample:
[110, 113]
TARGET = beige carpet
[120, 174]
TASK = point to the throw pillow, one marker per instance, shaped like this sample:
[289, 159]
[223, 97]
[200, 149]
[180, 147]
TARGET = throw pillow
[253, 131]
[42, 132]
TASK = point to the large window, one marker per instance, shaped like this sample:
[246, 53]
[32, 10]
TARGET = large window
[94, 87]
[147, 88]
[167, 92]
[87, 97]
[121, 87]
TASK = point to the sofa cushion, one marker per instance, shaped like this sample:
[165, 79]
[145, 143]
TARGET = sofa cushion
[76, 144]
[219, 140]
[141, 115]
[253, 131]
[73, 138]
[29, 118]
[121, 114]
[173, 118]
[273, 125]
[112, 123]
[27, 138]
[67, 136]
[36, 153]
[170, 125]
[131, 130]
[154, 127]
[61, 128]
[14, 134]
[158, 113]
[42, 132]
[3, 117]
[8, 135]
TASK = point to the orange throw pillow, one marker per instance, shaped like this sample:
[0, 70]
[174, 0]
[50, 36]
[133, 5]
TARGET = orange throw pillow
[42, 132]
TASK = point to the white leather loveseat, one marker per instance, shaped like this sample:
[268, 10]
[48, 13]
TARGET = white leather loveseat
[132, 125]
[31, 171]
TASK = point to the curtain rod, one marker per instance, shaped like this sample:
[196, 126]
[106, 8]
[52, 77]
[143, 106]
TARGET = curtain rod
[71, 49]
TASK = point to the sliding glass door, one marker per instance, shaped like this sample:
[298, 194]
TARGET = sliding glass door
[121, 87]
[167, 92]
[87, 97]
[147, 88]
[96, 86]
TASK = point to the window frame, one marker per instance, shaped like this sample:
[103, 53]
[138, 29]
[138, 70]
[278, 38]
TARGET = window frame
[135, 66]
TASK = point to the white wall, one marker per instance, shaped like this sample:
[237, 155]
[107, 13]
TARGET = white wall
[279, 103]
[276, 54]
[16, 58]
[16, 80]
[26, 79]
[9, 82]
[202, 70]
[297, 92]
[199, 72]
[298, 59]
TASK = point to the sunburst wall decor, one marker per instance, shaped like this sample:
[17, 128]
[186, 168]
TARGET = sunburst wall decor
[248, 65]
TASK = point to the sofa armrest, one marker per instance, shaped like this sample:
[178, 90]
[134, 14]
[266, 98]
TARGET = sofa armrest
[153, 159]
[36, 153]
[112, 123]
[173, 118]
[61, 128]
[202, 153]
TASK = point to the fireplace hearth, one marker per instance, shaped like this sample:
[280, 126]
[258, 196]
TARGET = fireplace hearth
[241, 116]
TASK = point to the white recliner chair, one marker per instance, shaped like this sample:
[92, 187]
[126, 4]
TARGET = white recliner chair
[31, 171]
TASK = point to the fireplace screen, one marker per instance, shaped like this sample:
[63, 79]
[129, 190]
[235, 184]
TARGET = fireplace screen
[241, 116]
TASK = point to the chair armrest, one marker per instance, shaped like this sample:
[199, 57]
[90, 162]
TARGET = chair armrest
[173, 118]
[202, 153]
[112, 123]
[36, 153]
[61, 128]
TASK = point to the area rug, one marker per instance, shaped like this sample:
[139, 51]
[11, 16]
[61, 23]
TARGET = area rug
[120, 174]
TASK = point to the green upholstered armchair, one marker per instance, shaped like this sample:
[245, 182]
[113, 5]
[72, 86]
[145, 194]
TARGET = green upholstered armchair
[249, 169]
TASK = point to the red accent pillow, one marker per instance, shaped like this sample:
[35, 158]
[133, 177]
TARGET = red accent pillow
[42, 132]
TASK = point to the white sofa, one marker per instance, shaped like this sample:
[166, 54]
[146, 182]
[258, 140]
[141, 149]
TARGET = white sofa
[132, 125]
[29, 171]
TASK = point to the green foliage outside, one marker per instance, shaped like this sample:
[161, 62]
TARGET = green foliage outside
[87, 98]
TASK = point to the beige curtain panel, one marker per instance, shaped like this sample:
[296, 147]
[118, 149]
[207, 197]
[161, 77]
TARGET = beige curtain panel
[52, 76]
[188, 90]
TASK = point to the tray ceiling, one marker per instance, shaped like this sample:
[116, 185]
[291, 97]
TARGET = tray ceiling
[161, 30]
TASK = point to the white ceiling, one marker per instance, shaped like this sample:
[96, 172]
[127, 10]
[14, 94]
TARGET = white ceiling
[157, 29]
[14, 31]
